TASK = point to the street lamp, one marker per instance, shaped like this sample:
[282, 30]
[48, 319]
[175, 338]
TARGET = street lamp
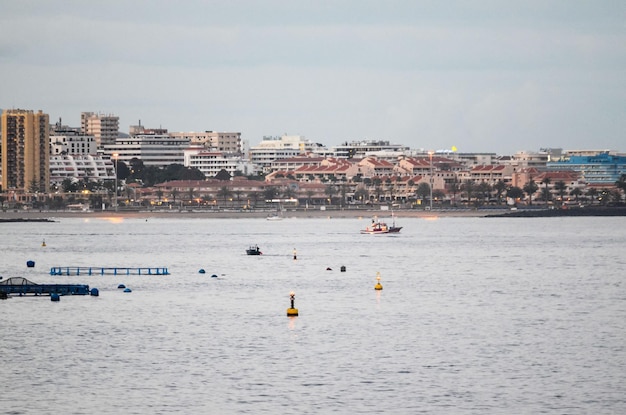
[430, 155]
[115, 155]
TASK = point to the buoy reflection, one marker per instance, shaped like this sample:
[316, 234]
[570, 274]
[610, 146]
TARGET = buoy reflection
[292, 323]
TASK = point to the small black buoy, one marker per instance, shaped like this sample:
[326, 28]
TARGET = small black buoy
[128, 290]
[121, 286]
[214, 276]
[94, 292]
[55, 297]
[329, 269]
[343, 268]
[30, 263]
[201, 271]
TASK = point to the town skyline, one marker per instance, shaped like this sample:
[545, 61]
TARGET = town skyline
[424, 149]
[479, 76]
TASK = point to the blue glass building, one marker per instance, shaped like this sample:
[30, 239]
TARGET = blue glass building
[602, 168]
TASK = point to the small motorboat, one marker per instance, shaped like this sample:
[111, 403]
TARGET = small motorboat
[253, 250]
[376, 228]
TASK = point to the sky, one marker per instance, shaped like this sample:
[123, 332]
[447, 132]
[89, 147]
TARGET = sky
[481, 75]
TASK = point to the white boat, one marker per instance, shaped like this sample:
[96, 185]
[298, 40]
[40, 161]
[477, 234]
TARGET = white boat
[376, 228]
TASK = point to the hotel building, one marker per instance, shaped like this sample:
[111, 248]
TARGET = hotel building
[25, 151]
[74, 155]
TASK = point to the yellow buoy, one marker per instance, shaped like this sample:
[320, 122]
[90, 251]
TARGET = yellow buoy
[378, 286]
[292, 311]
[43, 243]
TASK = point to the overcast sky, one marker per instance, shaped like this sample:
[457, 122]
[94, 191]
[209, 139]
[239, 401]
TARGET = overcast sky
[481, 75]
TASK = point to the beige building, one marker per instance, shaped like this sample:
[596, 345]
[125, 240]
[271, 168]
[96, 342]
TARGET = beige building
[25, 151]
[228, 143]
[105, 128]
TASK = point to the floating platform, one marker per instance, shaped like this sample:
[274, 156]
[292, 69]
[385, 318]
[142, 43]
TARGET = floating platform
[109, 271]
[22, 286]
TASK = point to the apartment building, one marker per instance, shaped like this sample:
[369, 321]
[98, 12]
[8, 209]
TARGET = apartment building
[104, 127]
[228, 143]
[25, 151]
[152, 150]
[210, 163]
[275, 148]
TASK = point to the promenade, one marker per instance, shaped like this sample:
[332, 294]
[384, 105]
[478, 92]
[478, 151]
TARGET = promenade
[234, 214]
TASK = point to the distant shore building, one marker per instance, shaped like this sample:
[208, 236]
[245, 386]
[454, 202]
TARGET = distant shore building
[152, 150]
[228, 143]
[25, 151]
[275, 148]
[74, 155]
[366, 148]
[104, 127]
[210, 163]
[601, 168]
[72, 142]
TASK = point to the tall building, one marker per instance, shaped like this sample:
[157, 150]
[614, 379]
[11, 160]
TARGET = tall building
[25, 151]
[105, 128]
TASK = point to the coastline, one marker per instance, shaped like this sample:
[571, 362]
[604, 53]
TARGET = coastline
[41, 216]
[50, 216]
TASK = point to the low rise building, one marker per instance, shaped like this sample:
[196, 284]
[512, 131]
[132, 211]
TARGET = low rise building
[152, 150]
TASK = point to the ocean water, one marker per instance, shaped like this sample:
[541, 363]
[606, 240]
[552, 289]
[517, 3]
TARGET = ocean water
[476, 316]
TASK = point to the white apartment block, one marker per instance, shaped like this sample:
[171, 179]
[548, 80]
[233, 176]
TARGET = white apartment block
[72, 142]
[275, 148]
[369, 148]
[212, 162]
[104, 127]
[152, 150]
[81, 166]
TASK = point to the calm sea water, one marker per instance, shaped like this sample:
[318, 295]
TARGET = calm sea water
[477, 315]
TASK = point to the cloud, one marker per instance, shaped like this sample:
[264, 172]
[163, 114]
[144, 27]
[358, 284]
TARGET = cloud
[483, 75]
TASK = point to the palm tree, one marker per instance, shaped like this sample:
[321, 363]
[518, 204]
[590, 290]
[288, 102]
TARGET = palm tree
[423, 191]
[621, 184]
[576, 192]
[255, 197]
[483, 189]
[309, 196]
[439, 195]
[592, 193]
[455, 186]
[469, 187]
[530, 189]
[499, 187]
[191, 193]
[330, 191]
[270, 193]
[560, 188]
[514, 193]
[224, 193]
[361, 194]
[546, 193]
